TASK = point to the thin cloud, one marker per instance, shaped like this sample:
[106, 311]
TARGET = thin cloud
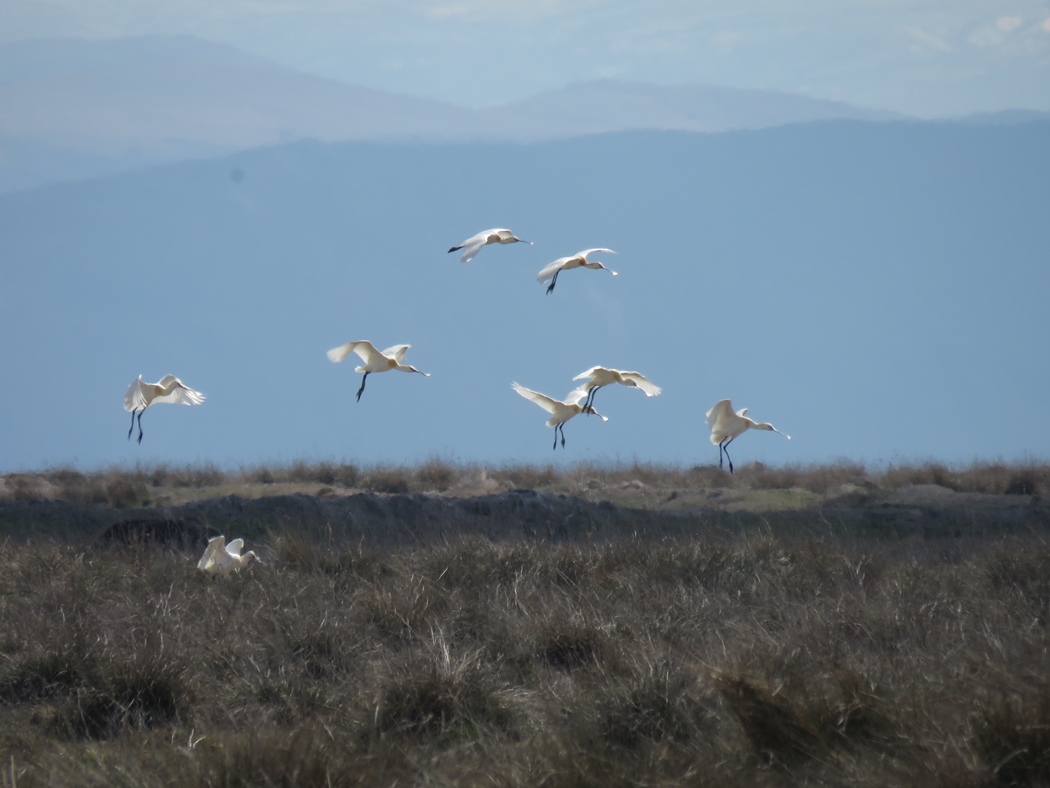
[447, 11]
[1008, 23]
[925, 43]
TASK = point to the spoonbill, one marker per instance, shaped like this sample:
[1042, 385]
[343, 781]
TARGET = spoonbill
[561, 410]
[726, 426]
[578, 260]
[374, 360]
[220, 558]
[596, 377]
[473, 245]
[169, 388]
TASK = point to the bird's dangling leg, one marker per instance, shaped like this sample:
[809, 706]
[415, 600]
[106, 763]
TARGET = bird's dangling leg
[555, 446]
[140, 424]
[550, 287]
[589, 402]
[360, 391]
[132, 427]
[562, 427]
[727, 455]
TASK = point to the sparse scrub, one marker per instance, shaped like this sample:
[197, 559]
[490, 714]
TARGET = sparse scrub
[1011, 735]
[753, 658]
[123, 492]
[384, 479]
[435, 475]
[526, 477]
[635, 483]
[756, 654]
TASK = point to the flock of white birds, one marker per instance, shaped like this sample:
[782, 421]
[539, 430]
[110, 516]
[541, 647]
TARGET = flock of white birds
[725, 423]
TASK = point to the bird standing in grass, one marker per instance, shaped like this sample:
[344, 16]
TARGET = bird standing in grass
[578, 260]
[220, 558]
[596, 377]
[473, 245]
[374, 360]
[726, 426]
[169, 388]
[561, 410]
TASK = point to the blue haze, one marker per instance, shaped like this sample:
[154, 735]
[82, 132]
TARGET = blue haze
[878, 291]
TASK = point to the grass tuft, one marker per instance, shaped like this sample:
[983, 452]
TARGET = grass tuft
[1012, 736]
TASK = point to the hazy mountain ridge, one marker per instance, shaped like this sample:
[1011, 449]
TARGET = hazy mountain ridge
[83, 106]
[72, 109]
[612, 105]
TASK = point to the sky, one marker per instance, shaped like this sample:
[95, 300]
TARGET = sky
[874, 290]
[927, 58]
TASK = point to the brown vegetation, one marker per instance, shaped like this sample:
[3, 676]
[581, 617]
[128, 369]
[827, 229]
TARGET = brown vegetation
[163, 484]
[759, 655]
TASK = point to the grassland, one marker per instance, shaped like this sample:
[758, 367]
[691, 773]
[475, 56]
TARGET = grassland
[766, 633]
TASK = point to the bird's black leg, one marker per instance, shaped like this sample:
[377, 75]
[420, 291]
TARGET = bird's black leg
[360, 391]
[589, 402]
[555, 446]
[727, 455]
[553, 282]
[132, 427]
[562, 426]
[140, 424]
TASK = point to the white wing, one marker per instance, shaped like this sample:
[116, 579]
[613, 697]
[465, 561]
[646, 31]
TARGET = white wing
[133, 397]
[365, 349]
[181, 394]
[551, 269]
[235, 547]
[396, 352]
[721, 408]
[471, 251]
[588, 374]
[482, 238]
[577, 394]
[587, 252]
[473, 245]
[549, 404]
[642, 382]
[215, 546]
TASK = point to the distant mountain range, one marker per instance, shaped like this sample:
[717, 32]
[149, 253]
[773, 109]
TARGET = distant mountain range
[71, 109]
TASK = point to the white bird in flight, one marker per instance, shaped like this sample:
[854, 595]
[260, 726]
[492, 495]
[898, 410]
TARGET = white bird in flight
[220, 558]
[596, 377]
[473, 245]
[169, 388]
[578, 260]
[726, 426]
[561, 410]
[374, 360]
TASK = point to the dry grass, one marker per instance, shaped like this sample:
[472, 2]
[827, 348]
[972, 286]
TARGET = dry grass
[747, 659]
[635, 484]
[753, 655]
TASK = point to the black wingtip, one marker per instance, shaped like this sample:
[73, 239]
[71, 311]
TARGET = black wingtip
[454, 249]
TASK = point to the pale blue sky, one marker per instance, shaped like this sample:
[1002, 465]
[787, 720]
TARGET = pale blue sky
[875, 290]
[922, 57]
